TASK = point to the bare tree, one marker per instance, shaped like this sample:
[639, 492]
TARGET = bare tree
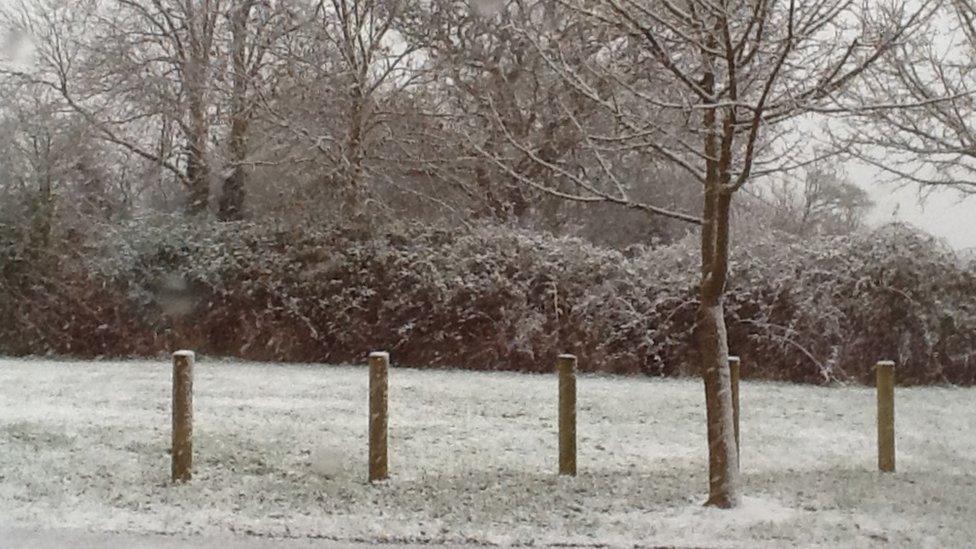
[488, 72]
[149, 74]
[711, 87]
[339, 76]
[933, 143]
[129, 67]
[53, 175]
[820, 201]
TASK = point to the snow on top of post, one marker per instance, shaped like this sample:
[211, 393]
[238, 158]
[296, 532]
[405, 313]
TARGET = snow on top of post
[567, 356]
[886, 363]
[184, 354]
[733, 358]
[380, 354]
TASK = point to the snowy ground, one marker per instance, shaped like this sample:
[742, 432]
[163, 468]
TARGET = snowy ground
[280, 452]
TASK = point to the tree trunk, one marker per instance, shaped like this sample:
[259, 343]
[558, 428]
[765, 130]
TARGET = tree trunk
[197, 171]
[723, 462]
[713, 344]
[483, 178]
[43, 214]
[354, 192]
[196, 74]
[231, 207]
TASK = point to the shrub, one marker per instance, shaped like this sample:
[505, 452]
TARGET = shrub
[839, 304]
[490, 298]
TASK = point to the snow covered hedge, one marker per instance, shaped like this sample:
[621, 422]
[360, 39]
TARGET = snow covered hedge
[831, 307]
[490, 298]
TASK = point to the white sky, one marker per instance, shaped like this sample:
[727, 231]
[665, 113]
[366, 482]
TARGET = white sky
[944, 213]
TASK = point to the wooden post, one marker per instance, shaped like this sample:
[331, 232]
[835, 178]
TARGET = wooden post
[734, 370]
[182, 447]
[379, 365]
[886, 416]
[566, 364]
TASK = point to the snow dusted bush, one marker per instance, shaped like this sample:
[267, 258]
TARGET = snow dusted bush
[49, 304]
[487, 299]
[829, 308]
[813, 310]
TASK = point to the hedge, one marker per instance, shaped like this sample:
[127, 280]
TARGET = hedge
[822, 309]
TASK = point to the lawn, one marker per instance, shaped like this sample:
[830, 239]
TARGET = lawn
[280, 451]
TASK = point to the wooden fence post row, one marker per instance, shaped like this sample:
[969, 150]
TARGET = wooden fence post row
[379, 366]
[566, 365]
[182, 443]
[886, 415]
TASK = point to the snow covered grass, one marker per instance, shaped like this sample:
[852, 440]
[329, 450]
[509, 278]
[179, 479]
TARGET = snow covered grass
[280, 450]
